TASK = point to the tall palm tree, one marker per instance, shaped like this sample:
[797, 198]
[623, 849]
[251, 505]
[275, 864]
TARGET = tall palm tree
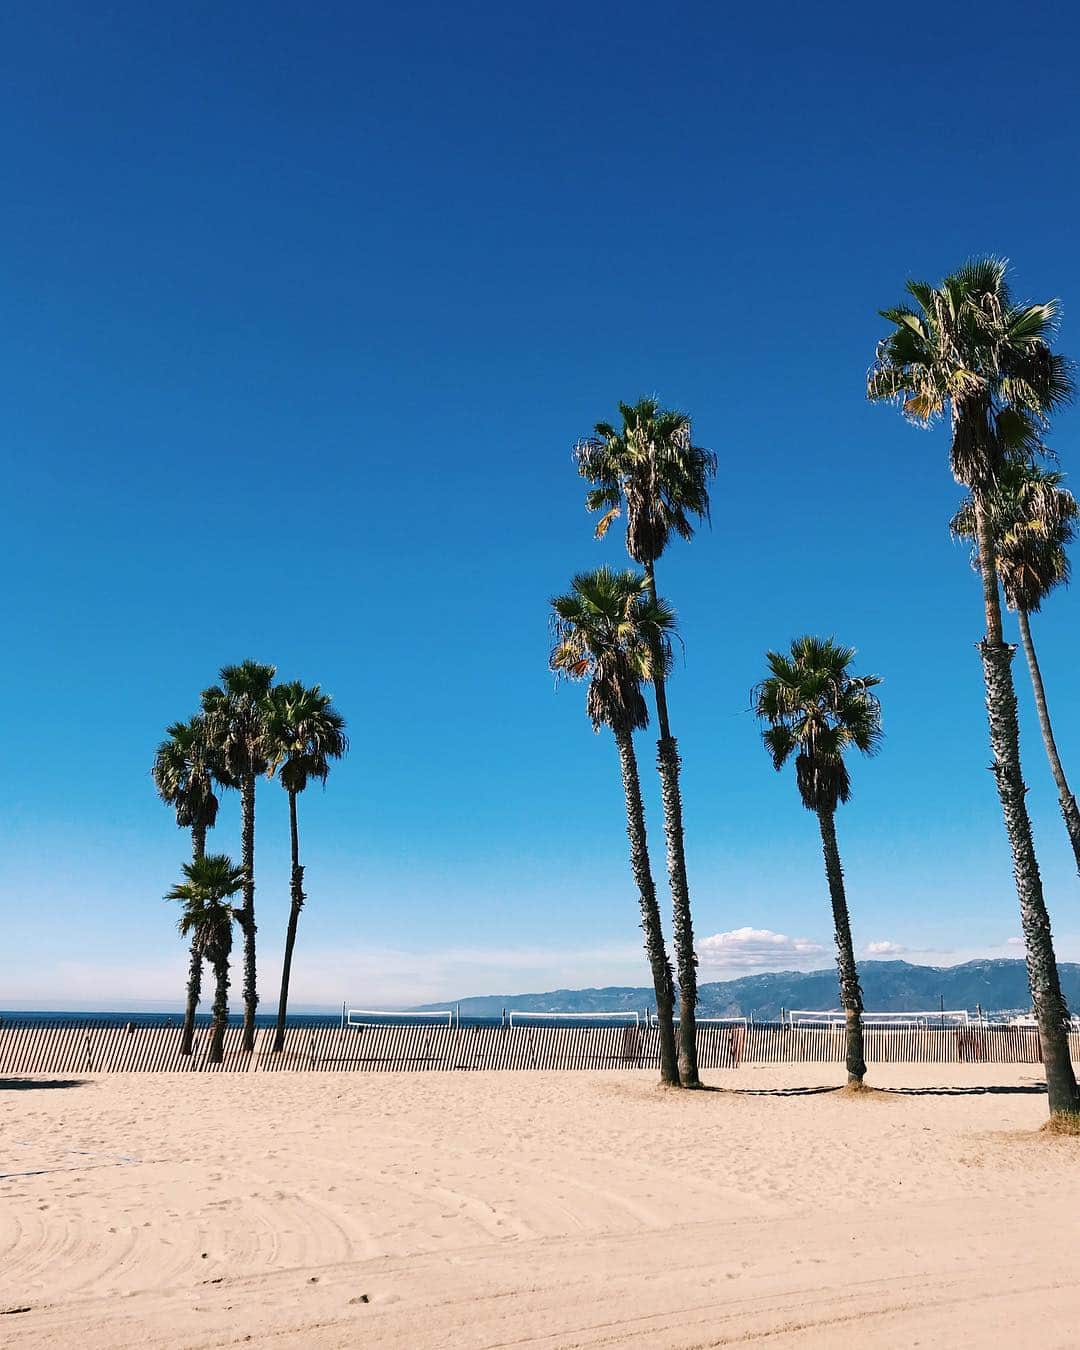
[183, 773]
[650, 467]
[608, 630]
[1033, 521]
[304, 733]
[815, 710]
[236, 712]
[966, 347]
[207, 918]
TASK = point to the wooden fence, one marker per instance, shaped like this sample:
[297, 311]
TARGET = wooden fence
[779, 1043]
[74, 1048]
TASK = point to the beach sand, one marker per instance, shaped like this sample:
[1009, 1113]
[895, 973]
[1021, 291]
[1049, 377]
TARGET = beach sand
[537, 1210]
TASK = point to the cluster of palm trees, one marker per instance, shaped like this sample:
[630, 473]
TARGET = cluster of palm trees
[246, 727]
[964, 349]
[968, 350]
[614, 629]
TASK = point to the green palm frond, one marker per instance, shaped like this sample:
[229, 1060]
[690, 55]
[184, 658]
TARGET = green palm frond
[184, 771]
[207, 916]
[235, 713]
[608, 629]
[1032, 518]
[815, 709]
[780, 742]
[968, 349]
[304, 732]
[650, 470]
[981, 276]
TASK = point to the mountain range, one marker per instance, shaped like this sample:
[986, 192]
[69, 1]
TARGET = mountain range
[888, 986]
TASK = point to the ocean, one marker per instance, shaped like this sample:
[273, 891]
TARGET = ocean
[155, 1019]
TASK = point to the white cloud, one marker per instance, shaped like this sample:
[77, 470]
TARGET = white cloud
[384, 976]
[757, 949]
[1012, 947]
[885, 948]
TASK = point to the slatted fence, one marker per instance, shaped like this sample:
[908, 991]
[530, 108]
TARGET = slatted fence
[780, 1043]
[81, 1048]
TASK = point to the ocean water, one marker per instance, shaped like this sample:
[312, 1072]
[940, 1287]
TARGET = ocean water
[89, 1020]
[155, 1019]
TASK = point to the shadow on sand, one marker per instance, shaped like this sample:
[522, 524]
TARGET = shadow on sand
[33, 1084]
[999, 1089]
[1003, 1089]
[780, 1092]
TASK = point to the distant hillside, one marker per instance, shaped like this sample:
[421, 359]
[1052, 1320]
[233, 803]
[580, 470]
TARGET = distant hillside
[888, 986]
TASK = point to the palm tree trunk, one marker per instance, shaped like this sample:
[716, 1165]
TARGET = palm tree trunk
[1050, 1007]
[297, 904]
[194, 984]
[669, 763]
[247, 913]
[650, 910]
[1069, 811]
[194, 991]
[850, 990]
[221, 1007]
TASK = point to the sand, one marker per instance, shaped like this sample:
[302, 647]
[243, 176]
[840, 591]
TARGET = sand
[537, 1210]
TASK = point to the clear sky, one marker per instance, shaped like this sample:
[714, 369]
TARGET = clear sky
[304, 307]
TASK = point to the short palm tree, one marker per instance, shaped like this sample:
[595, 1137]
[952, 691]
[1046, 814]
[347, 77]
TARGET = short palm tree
[207, 917]
[304, 733]
[183, 774]
[816, 710]
[608, 630]
[967, 348]
[1033, 521]
[236, 713]
[650, 466]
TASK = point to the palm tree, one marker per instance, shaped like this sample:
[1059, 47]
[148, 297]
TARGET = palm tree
[183, 774]
[608, 630]
[651, 467]
[1033, 521]
[966, 347]
[815, 710]
[207, 918]
[236, 713]
[304, 733]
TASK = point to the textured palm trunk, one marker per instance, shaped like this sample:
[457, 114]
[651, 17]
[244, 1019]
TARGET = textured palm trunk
[850, 989]
[1050, 1008]
[651, 926]
[194, 992]
[221, 1007]
[247, 914]
[1069, 811]
[669, 764]
[296, 889]
[194, 984]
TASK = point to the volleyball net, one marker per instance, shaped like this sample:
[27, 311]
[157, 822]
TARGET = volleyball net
[835, 1017]
[374, 1017]
[518, 1017]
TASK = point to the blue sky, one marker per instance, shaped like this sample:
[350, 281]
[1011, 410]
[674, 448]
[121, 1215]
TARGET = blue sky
[304, 309]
